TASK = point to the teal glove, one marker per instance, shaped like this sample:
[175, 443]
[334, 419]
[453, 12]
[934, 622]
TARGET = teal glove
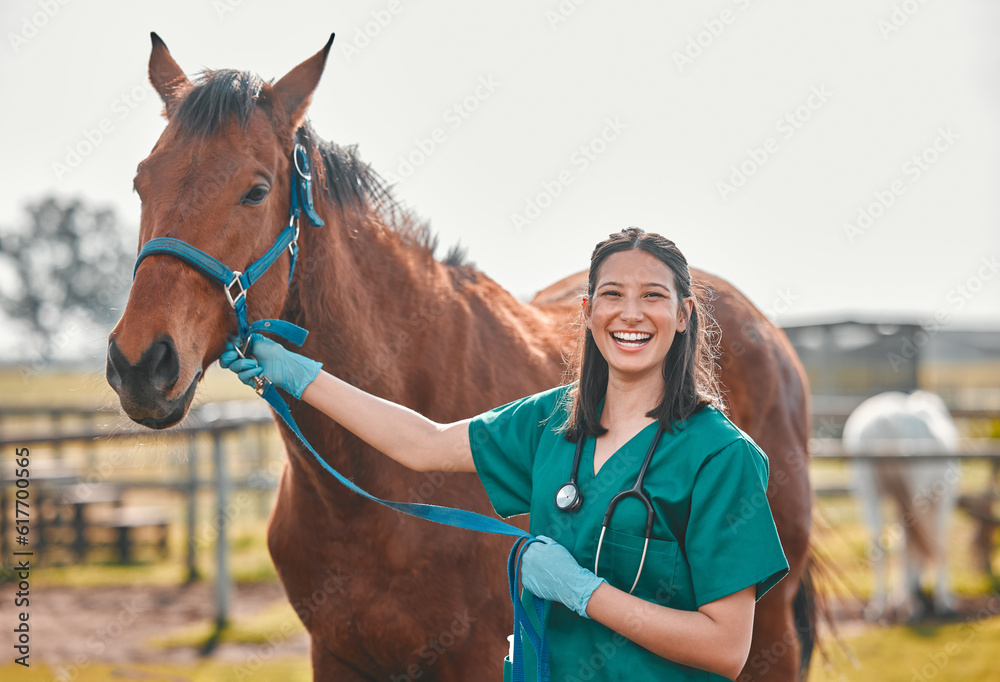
[549, 571]
[283, 368]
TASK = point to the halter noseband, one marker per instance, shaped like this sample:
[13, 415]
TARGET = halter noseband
[236, 284]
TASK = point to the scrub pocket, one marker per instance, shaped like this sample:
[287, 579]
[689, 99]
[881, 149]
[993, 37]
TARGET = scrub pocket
[621, 554]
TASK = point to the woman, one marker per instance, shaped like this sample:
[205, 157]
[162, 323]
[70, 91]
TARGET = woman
[664, 591]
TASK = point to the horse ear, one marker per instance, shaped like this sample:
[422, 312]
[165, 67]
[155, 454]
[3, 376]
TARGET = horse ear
[293, 93]
[167, 78]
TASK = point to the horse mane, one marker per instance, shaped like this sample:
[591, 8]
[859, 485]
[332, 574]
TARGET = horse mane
[218, 96]
[214, 98]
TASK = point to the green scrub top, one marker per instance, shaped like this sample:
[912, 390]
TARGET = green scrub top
[713, 532]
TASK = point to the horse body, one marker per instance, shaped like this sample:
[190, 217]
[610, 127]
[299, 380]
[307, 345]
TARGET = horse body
[385, 596]
[441, 340]
[895, 423]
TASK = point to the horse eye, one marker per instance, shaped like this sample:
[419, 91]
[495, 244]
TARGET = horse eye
[255, 195]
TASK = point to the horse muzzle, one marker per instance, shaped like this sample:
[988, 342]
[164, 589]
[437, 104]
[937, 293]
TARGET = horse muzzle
[143, 388]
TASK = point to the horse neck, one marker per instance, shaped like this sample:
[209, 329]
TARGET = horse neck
[383, 315]
[356, 291]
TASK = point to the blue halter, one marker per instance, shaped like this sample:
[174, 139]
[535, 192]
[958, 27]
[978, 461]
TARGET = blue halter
[236, 284]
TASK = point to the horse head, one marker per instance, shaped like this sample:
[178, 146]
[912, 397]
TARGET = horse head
[219, 179]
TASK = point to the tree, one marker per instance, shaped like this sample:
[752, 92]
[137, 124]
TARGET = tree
[69, 266]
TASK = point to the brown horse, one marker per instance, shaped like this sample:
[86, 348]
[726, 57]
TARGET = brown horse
[384, 596]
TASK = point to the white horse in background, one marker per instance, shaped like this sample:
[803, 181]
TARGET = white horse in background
[895, 423]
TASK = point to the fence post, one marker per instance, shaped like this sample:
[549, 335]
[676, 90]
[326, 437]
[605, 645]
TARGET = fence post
[55, 420]
[192, 508]
[222, 583]
[264, 502]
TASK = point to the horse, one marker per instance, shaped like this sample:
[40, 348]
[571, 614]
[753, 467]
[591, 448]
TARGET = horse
[906, 425]
[381, 595]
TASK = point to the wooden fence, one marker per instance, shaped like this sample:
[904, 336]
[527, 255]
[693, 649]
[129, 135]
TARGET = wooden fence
[70, 477]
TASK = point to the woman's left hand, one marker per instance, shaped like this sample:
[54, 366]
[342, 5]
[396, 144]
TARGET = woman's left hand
[549, 571]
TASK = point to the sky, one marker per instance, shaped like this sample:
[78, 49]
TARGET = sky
[832, 160]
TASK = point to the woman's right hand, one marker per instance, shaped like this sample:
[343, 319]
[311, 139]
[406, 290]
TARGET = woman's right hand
[286, 370]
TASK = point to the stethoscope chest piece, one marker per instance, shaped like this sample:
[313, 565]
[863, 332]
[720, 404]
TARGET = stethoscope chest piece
[568, 497]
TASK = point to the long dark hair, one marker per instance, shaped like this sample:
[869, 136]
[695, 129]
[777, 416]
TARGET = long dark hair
[689, 367]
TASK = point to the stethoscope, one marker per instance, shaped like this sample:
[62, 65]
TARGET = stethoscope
[569, 498]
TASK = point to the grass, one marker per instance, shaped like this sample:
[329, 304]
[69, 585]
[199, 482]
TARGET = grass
[249, 561]
[285, 670]
[277, 621]
[961, 652]
[957, 652]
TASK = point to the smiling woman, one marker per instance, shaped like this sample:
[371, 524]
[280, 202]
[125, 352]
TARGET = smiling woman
[689, 605]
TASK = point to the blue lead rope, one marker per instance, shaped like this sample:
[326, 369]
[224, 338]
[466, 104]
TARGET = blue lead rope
[235, 285]
[459, 518]
[521, 622]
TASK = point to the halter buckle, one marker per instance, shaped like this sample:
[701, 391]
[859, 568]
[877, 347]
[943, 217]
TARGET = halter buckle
[294, 220]
[260, 382]
[229, 289]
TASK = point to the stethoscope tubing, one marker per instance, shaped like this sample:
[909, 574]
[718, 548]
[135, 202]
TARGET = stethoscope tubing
[575, 500]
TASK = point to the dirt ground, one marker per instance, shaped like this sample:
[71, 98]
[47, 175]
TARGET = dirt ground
[116, 624]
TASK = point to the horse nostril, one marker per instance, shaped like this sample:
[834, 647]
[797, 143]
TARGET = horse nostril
[113, 373]
[158, 368]
[165, 366]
